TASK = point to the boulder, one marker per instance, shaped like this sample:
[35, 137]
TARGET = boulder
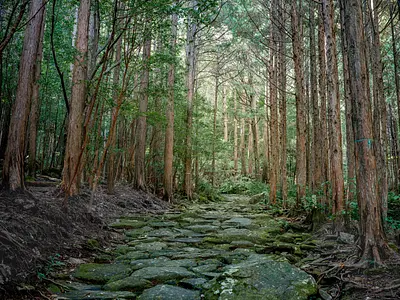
[260, 277]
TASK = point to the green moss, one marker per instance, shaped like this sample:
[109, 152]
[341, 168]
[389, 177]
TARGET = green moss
[93, 243]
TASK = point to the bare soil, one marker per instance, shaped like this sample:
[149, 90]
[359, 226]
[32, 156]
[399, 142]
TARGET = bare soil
[36, 231]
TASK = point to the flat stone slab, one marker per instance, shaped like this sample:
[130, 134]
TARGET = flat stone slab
[163, 224]
[203, 228]
[161, 274]
[152, 262]
[193, 283]
[161, 233]
[101, 273]
[128, 284]
[240, 222]
[128, 257]
[151, 246]
[169, 292]
[186, 263]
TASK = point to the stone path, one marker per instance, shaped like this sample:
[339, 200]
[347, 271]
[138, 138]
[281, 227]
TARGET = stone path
[210, 251]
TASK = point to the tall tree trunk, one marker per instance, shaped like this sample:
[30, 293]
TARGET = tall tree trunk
[316, 165]
[111, 169]
[273, 102]
[301, 128]
[94, 34]
[191, 72]
[282, 101]
[71, 171]
[243, 143]
[13, 170]
[250, 149]
[335, 131]
[348, 112]
[254, 130]
[225, 113]
[35, 108]
[169, 131]
[372, 237]
[397, 84]
[322, 95]
[379, 111]
[266, 134]
[235, 135]
[215, 122]
[141, 131]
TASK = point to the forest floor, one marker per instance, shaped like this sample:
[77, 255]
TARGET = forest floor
[44, 250]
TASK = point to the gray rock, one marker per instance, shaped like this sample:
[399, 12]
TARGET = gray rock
[203, 228]
[193, 283]
[186, 240]
[186, 263]
[143, 263]
[163, 224]
[205, 268]
[239, 222]
[168, 292]
[260, 277]
[162, 233]
[128, 283]
[128, 257]
[161, 274]
[151, 246]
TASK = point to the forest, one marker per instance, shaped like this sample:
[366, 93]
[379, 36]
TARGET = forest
[167, 104]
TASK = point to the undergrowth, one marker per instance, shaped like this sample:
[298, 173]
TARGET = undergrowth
[243, 185]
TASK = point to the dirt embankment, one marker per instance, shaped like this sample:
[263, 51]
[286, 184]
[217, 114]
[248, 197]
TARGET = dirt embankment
[34, 228]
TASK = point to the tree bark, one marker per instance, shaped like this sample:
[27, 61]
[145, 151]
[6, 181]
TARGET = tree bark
[71, 172]
[35, 108]
[335, 131]
[273, 102]
[139, 181]
[190, 83]
[301, 128]
[13, 170]
[316, 163]
[282, 101]
[169, 131]
[322, 95]
[379, 111]
[372, 237]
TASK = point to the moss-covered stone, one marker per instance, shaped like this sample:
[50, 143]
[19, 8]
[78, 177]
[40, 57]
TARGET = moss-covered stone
[101, 273]
[127, 224]
[260, 277]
